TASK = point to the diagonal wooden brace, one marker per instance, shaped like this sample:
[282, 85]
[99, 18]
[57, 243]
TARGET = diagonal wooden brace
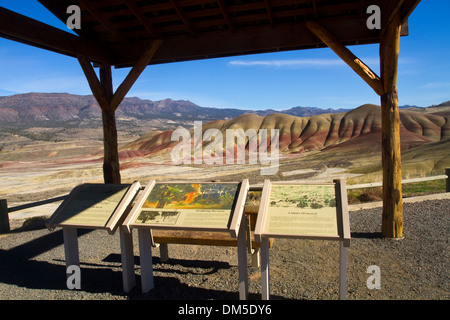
[372, 79]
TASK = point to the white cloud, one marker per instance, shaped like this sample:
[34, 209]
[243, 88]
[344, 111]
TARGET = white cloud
[436, 85]
[291, 63]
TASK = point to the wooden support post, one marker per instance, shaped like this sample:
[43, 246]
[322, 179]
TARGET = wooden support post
[242, 259]
[265, 274]
[164, 252]
[392, 219]
[343, 270]
[447, 182]
[111, 166]
[386, 87]
[110, 101]
[146, 261]
[4, 217]
[71, 253]
[127, 258]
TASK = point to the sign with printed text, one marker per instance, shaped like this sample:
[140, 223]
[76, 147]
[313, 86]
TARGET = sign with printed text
[302, 211]
[195, 205]
[94, 206]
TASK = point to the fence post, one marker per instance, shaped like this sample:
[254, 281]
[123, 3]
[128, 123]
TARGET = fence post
[4, 217]
[447, 184]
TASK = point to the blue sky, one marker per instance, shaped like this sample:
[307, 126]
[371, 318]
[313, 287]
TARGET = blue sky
[315, 78]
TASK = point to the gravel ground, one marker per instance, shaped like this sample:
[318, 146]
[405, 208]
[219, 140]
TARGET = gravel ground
[32, 265]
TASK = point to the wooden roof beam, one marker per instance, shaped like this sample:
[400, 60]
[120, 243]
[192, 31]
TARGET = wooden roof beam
[315, 8]
[182, 16]
[269, 13]
[86, 4]
[370, 77]
[142, 19]
[225, 14]
[23, 29]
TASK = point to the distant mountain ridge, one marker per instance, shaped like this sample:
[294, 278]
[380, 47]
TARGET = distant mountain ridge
[42, 108]
[64, 107]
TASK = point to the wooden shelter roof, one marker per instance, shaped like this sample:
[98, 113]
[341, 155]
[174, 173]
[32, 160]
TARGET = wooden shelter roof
[116, 32]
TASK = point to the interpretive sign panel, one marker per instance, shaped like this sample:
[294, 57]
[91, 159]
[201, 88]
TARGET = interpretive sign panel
[94, 206]
[207, 206]
[299, 210]
[303, 211]
[202, 206]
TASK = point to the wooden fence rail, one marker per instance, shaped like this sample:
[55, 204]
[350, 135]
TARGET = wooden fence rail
[4, 210]
[404, 181]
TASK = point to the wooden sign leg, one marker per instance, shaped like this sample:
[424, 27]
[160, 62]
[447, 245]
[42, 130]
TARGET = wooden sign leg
[127, 256]
[242, 261]
[164, 252]
[343, 271]
[264, 252]
[145, 254]
[71, 247]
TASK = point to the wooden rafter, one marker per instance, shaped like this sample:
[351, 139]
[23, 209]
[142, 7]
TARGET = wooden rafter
[369, 76]
[182, 16]
[86, 4]
[142, 19]
[173, 22]
[269, 13]
[225, 14]
[20, 28]
[315, 8]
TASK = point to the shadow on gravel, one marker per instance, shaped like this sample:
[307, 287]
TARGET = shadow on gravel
[214, 266]
[168, 288]
[18, 268]
[367, 235]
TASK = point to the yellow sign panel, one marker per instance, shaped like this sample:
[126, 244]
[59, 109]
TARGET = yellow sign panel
[302, 210]
[92, 205]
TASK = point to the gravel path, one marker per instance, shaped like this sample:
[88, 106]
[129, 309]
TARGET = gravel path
[32, 264]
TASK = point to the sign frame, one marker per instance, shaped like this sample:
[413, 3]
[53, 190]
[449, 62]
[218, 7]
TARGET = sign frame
[343, 232]
[236, 227]
[342, 216]
[70, 234]
[236, 212]
[114, 219]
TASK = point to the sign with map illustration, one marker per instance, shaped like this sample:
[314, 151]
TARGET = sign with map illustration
[187, 205]
[94, 206]
[301, 211]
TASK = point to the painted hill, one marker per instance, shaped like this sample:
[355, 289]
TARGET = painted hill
[352, 132]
